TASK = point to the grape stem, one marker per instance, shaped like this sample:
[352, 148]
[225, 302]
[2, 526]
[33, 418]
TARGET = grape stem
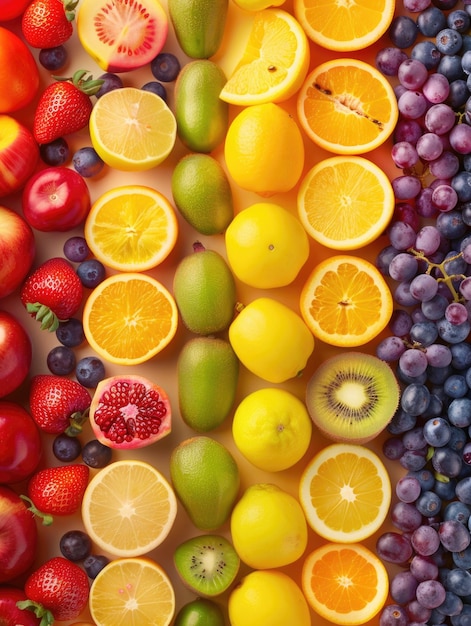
[445, 278]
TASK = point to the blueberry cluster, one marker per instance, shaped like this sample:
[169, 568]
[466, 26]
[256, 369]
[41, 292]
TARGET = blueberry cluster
[427, 263]
[76, 546]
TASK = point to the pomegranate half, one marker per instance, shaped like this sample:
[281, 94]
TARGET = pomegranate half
[129, 412]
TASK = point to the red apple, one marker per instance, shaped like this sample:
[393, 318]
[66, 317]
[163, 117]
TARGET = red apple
[12, 615]
[18, 535]
[15, 354]
[19, 155]
[20, 443]
[17, 250]
[56, 199]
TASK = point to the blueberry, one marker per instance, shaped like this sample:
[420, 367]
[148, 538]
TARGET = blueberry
[459, 93]
[94, 563]
[55, 152]
[95, 454]
[448, 41]
[165, 67]
[155, 87]
[70, 333]
[427, 52]
[66, 448]
[91, 273]
[110, 82]
[431, 21]
[75, 545]
[451, 67]
[90, 371]
[53, 58]
[61, 360]
[76, 249]
[87, 162]
[459, 20]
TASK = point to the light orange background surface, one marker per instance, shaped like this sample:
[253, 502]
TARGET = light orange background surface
[162, 369]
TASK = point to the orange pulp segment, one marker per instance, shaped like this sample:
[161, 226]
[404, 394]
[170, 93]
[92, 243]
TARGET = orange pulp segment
[347, 106]
[131, 228]
[129, 318]
[346, 202]
[128, 508]
[132, 129]
[345, 584]
[132, 591]
[345, 301]
[274, 63]
[345, 493]
[344, 26]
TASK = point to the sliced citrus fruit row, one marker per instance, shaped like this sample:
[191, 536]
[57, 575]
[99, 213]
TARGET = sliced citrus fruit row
[131, 228]
[132, 129]
[345, 301]
[347, 106]
[344, 26]
[345, 493]
[129, 318]
[132, 591]
[345, 584]
[128, 508]
[274, 63]
[359, 197]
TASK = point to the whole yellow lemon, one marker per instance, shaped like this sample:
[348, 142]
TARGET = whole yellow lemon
[266, 245]
[268, 597]
[264, 149]
[272, 429]
[268, 527]
[271, 340]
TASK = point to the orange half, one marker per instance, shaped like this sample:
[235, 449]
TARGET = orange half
[129, 318]
[344, 26]
[345, 301]
[347, 106]
[345, 584]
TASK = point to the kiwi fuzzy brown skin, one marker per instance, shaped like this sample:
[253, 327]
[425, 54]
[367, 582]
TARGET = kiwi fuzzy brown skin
[207, 564]
[364, 379]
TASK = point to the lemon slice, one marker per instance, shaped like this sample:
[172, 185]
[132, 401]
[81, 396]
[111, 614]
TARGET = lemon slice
[132, 129]
[131, 228]
[274, 63]
[128, 508]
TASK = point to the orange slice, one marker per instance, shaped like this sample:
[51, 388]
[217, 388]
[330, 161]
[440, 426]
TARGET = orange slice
[132, 129]
[359, 197]
[131, 228]
[274, 63]
[345, 493]
[347, 106]
[347, 585]
[132, 591]
[129, 318]
[345, 301]
[344, 26]
[128, 508]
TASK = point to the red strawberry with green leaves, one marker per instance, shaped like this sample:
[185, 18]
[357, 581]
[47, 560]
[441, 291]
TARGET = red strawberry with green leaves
[57, 491]
[52, 293]
[64, 106]
[48, 23]
[57, 591]
[58, 404]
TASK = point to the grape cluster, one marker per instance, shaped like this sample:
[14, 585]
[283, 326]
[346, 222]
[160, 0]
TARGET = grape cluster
[427, 262]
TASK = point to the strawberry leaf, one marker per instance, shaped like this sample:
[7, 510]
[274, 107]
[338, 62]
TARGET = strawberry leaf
[47, 518]
[46, 617]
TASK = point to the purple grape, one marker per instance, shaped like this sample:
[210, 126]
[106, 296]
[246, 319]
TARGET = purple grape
[436, 89]
[412, 74]
[428, 240]
[423, 568]
[456, 313]
[460, 138]
[55, 152]
[405, 516]
[75, 545]
[393, 615]
[425, 540]
[403, 266]
[96, 455]
[444, 198]
[403, 587]
[454, 535]
[406, 187]
[110, 82]
[389, 59]
[404, 154]
[53, 59]
[413, 362]
[390, 349]
[76, 249]
[412, 104]
[408, 488]
[430, 593]
[423, 287]
[394, 547]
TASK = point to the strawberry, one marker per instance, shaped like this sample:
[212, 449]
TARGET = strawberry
[57, 491]
[57, 591]
[64, 107]
[48, 23]
[53, 292]
[58, 404]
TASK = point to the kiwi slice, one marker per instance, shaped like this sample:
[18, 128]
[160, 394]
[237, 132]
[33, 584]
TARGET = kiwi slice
[352, 397]
[207, 564]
